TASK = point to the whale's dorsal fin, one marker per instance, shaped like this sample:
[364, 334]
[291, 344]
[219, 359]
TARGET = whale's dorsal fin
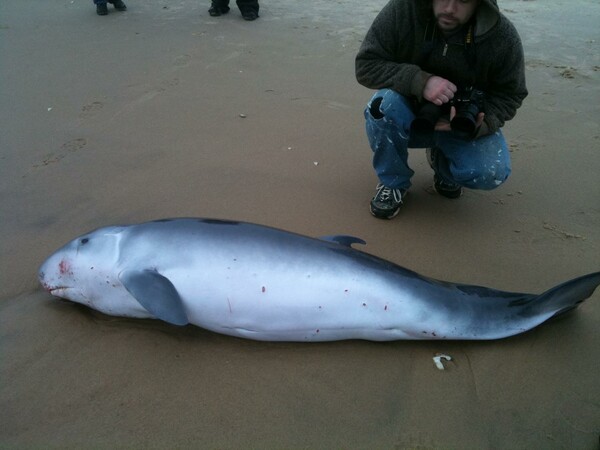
[156, 294]
[343, 239]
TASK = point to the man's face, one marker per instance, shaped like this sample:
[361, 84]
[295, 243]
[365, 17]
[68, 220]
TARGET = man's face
[453, 14]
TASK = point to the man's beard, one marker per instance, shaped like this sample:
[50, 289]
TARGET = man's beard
[447, 22]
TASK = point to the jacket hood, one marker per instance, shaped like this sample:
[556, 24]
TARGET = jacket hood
[487, 16]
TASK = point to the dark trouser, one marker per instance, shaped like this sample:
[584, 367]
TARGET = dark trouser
[244, 5]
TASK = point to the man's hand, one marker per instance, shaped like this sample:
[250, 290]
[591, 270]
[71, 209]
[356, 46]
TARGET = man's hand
[444, 124]
[438, 90]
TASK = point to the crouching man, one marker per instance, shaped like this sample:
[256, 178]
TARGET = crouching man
[448, 74]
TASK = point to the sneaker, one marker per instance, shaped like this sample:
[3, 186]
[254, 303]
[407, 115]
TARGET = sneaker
[119, 5]
[101, 9]
[387, 201]
[444, 188]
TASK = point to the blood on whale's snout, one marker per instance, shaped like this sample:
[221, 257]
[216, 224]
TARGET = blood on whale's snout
[64, 267]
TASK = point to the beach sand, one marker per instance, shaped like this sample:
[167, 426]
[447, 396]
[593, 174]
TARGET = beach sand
[164, 111]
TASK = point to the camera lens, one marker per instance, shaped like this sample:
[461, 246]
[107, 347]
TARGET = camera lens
[468, 104]
[464, 125]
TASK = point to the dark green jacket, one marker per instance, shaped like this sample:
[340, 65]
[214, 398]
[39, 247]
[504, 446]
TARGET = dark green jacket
[393, 55]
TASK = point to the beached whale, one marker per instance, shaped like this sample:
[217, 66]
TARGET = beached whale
[262, 283]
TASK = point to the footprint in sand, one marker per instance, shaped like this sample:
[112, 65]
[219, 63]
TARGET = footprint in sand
[182, 60]
[68, 147]
[91, 109]
[74, 145]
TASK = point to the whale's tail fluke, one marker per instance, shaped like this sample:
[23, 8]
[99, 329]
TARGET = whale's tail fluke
[560, 299]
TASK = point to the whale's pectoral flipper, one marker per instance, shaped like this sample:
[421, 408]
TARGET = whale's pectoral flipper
[156, 294]
[343, 240]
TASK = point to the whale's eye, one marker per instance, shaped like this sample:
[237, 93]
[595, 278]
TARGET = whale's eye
[84, 241]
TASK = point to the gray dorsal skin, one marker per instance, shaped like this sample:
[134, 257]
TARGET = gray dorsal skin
[263, 283]
[155, 293]
[343, 239]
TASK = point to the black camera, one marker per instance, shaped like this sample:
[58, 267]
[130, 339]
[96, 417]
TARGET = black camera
[468, 103]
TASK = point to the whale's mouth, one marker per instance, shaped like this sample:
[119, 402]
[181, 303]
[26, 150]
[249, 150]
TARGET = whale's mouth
[50, 287]
[60, 291]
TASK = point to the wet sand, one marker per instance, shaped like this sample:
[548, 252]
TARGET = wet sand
[164, 111]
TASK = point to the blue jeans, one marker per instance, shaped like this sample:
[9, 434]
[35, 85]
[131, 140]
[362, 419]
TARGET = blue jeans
[482, 163]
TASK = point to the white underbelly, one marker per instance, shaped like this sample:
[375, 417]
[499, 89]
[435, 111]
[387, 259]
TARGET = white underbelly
[298, 308]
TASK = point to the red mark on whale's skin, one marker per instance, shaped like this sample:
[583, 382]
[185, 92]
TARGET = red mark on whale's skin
[264, 289]
[63, 267]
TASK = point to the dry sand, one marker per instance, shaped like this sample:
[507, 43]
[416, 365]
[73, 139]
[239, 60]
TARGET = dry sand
[136, 116]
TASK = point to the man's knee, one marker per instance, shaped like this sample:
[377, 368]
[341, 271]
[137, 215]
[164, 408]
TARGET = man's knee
[483, 163]
[389, 105]
[485, 176]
